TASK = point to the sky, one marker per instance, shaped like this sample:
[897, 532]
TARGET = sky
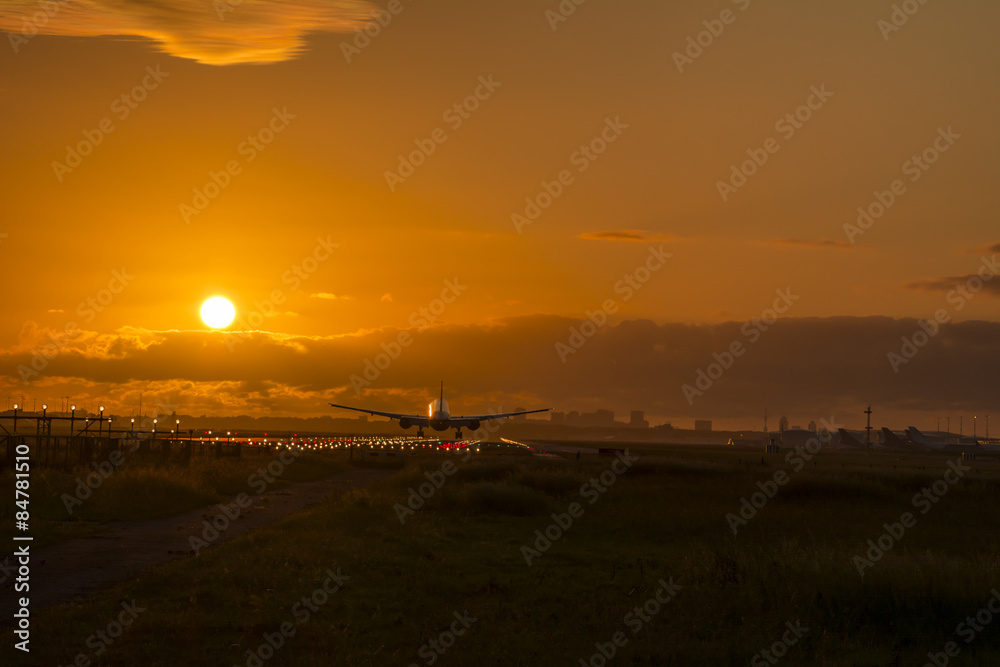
[695, 209]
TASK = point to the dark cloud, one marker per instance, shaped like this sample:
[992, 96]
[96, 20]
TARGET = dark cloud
[630, 235]
[823, 243]
[807, 365]
[972, 282]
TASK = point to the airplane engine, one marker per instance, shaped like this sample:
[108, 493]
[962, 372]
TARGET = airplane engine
[405, 423]
[473, 426]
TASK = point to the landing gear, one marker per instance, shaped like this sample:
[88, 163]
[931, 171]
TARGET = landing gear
[458, 434]
[420, 431]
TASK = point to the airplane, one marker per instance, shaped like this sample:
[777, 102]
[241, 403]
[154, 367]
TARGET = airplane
[439, 417]
[848, 439]
[895, 441]
[942, 444]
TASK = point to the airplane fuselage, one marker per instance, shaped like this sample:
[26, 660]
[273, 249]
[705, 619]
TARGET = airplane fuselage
[439, 414]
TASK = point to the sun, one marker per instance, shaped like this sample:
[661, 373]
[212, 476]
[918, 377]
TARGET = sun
[218, 312]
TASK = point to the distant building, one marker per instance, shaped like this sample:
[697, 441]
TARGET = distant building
[637, 420]
[703, 424]
[599, 418]
[557, 417]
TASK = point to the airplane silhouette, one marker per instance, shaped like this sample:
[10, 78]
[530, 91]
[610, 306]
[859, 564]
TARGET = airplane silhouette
[439, 417]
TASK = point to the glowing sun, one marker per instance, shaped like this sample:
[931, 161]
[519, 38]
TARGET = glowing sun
[217, 312]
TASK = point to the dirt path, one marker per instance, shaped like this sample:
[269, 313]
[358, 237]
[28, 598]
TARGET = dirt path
[75, 568]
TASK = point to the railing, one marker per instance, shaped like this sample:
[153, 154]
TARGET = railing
[65, 451]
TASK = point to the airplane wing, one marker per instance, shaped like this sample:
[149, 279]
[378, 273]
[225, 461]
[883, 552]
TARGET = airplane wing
[500, 415]
[418, 420]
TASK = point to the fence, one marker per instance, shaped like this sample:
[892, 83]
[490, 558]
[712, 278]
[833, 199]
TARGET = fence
[65, 451]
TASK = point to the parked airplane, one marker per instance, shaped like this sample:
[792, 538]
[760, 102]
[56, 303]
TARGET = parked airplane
[439, 417]
[957, 443]
[894, 440]
[848, 439]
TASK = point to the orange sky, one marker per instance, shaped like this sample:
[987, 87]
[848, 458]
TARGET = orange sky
[611, 68]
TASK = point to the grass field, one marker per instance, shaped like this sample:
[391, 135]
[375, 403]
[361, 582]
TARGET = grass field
[140, 490]
[406, 591]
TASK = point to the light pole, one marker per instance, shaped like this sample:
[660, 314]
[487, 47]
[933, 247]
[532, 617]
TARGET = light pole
[72, 419]
[100, 424]
[178, 429]
[154, 429]
[131, 428]
[15, 418]
[45, 408]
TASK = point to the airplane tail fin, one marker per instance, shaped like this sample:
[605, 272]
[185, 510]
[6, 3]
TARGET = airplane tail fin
[891, 438]
[848, 439]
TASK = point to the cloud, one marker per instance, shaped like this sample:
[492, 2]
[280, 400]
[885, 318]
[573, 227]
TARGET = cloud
[972, 282]
[215, 32]
[804, 366]
[55, 310]
[628, 235]
[823, 243]
[331, 297]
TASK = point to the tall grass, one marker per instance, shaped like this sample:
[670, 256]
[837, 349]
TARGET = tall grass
[664, 520]
[142, 490]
